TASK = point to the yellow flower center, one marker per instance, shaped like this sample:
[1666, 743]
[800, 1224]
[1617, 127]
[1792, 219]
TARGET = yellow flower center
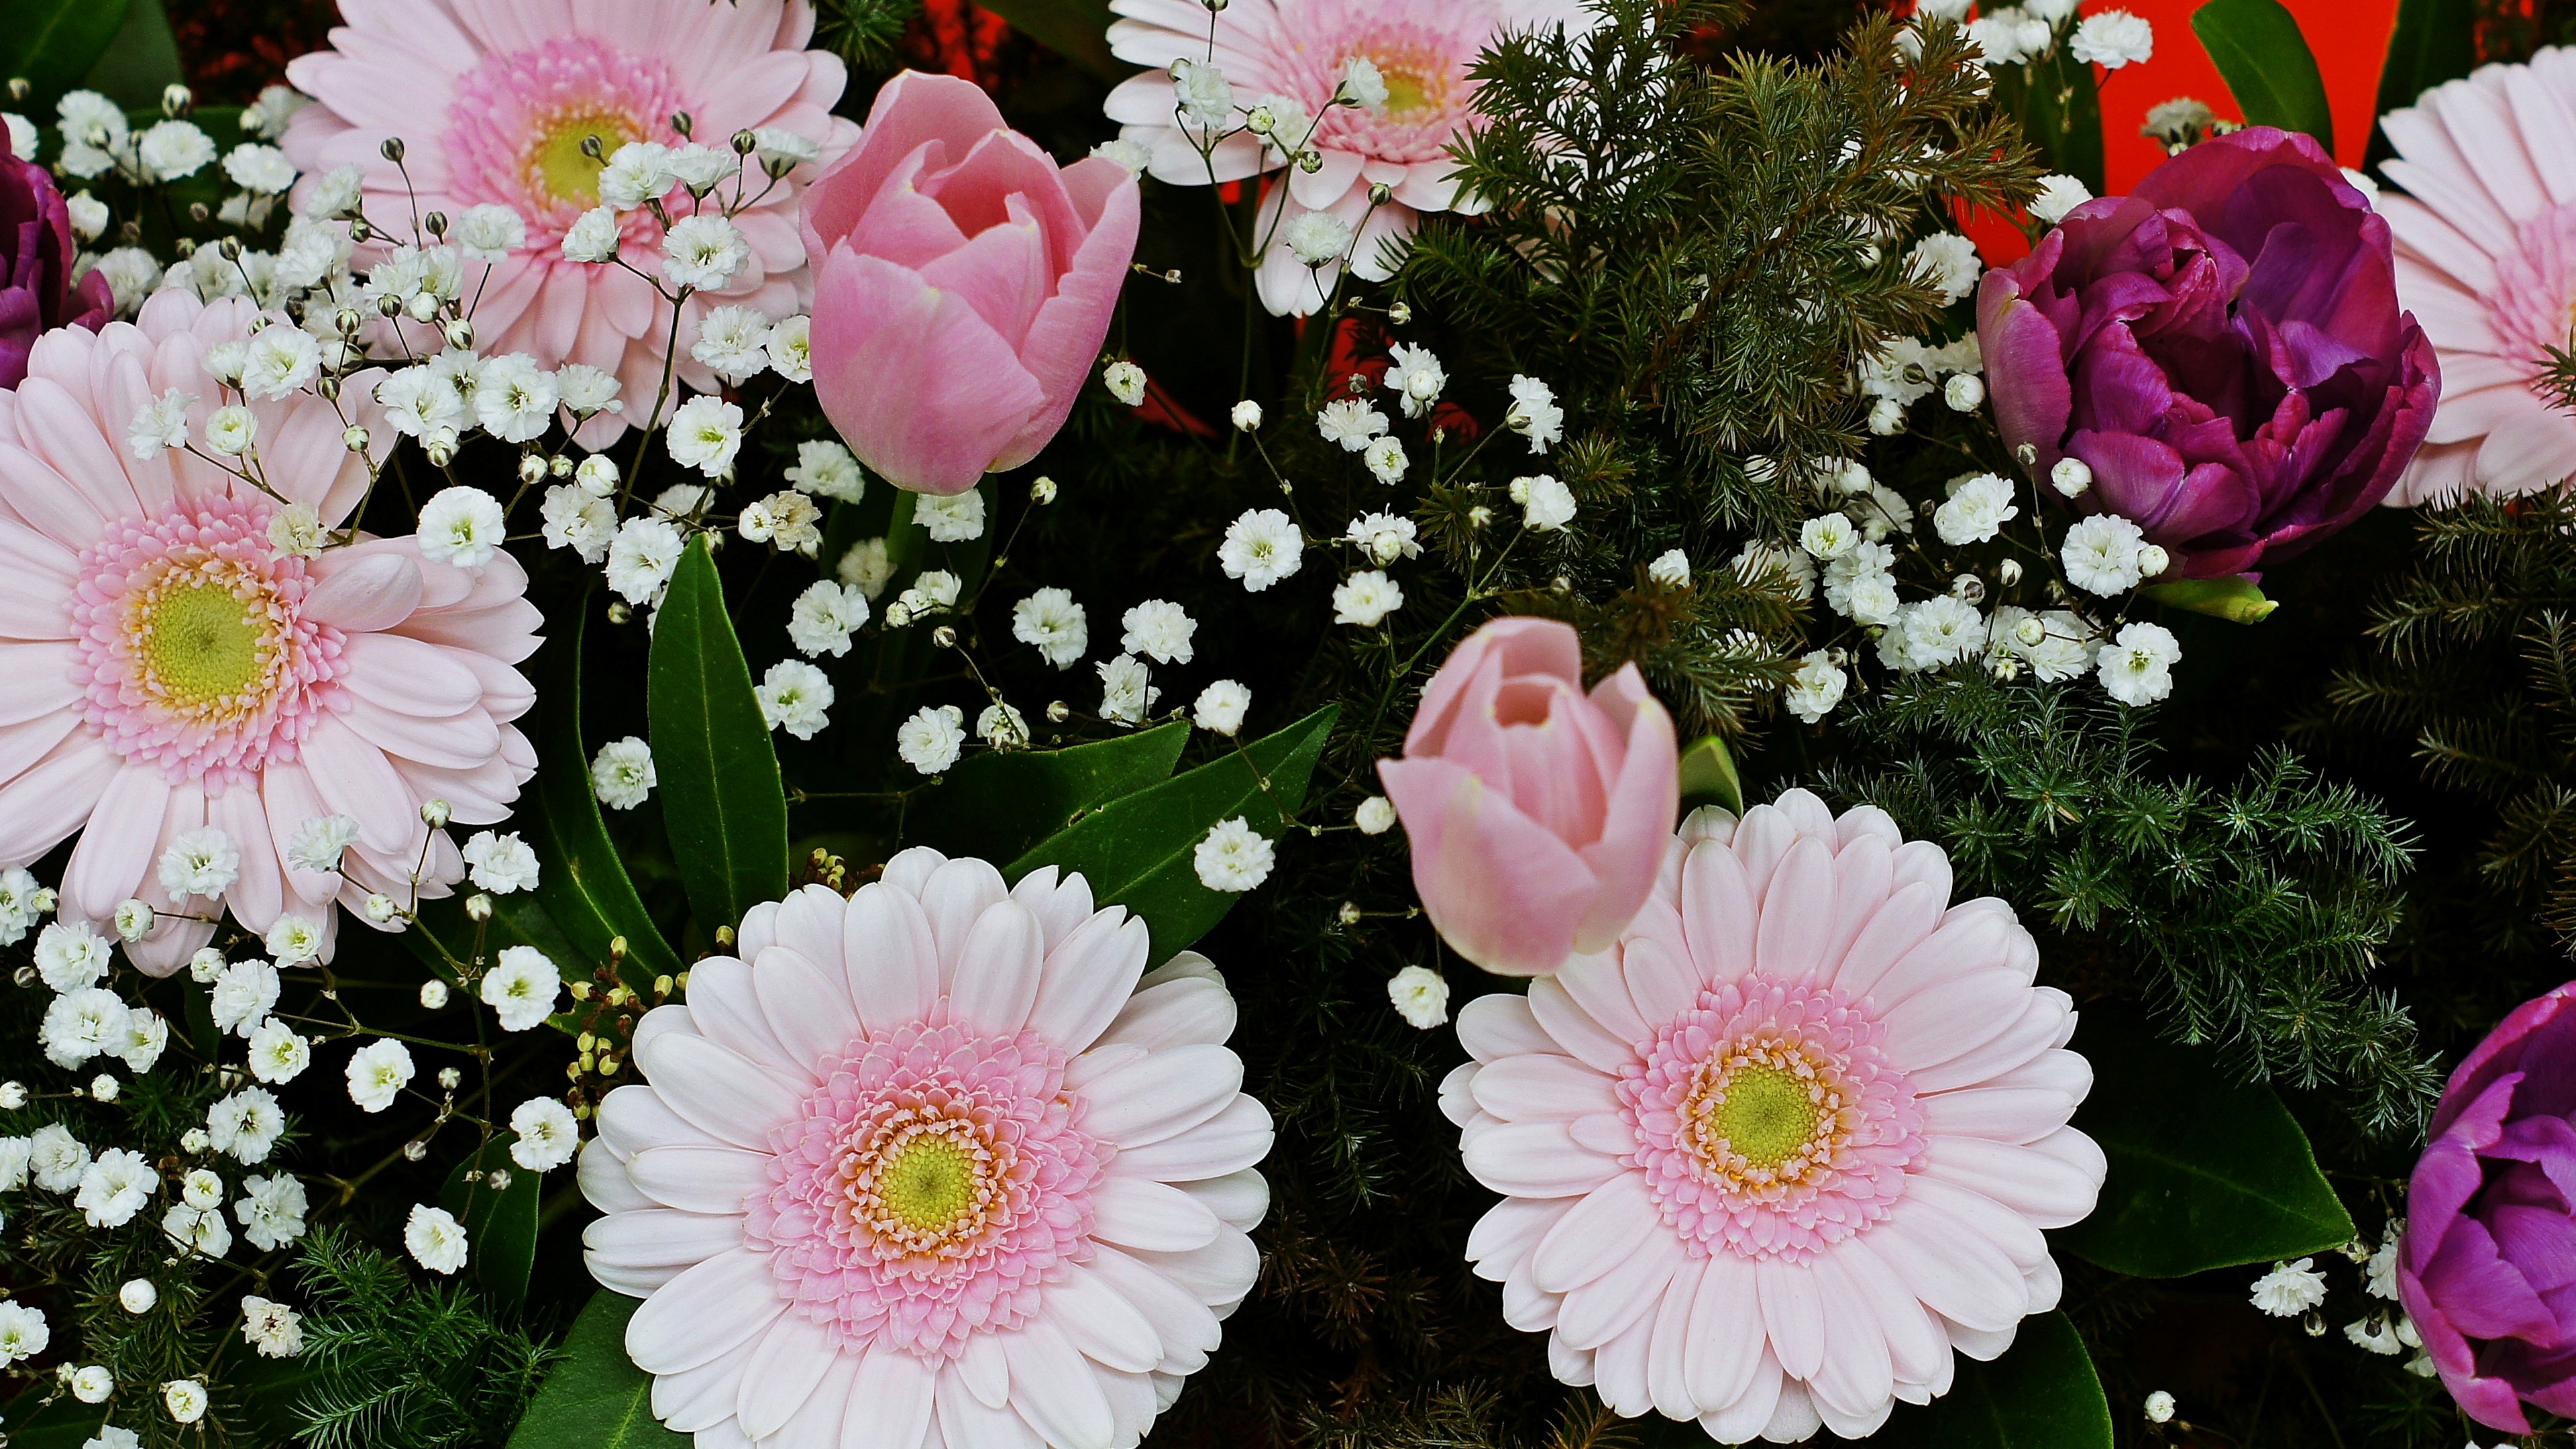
[558, 164]
[928, 1183]
[1766, 1115]
[202, 647]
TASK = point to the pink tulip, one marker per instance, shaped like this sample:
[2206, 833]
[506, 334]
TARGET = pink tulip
[1538, 814]
[963, 284]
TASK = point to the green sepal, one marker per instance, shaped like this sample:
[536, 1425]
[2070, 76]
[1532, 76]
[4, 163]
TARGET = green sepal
[2233, 598]
[2267, 65]
[723, 800]
[1708, 777]
[596, 1398]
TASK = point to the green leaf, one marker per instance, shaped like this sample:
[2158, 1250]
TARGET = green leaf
[2063, 116]
[596, 1398]
[66, 1423]
[583, 883]
[2233, 598]
[142, 60]
[1078, 30]
[500, 1223]
[995, 806]
[1708, 777]
[2267, 65]
[2205, 1172]
[203, 1034]
[722, 799]
[1136, 851]
[51, 44]
[2041, 1394]
[2435, 41]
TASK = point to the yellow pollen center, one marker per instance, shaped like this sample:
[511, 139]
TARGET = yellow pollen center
[202, 645]
[559, 166]
[928, 1184]
[1407, 90]
[1767, 1116]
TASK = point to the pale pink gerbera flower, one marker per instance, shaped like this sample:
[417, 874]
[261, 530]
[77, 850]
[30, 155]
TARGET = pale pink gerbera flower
[1292, 57]
[171, 669]
[493, 100]
[1775, 1154]
[942, 1164]
[2486, 260]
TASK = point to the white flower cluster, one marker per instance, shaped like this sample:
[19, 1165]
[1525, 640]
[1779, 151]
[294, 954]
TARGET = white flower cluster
[1906, 371]
[2020, 34]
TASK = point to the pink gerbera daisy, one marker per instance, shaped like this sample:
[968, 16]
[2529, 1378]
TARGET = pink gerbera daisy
[937, 1164]
[172, 670]
[493, 100]
[2486, 260]
[1291, 57]
[1769, 1159]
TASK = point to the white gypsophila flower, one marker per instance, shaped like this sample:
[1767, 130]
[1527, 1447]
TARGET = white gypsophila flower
[704, 252]
[1886, 417]
[2112, 39]
[796, 697]
[521, 987]
[1816, 687]
[489, 232]
[319, 842]
[1384, 537]
[147, 1035]
[1420, 995]
[622, 774]
[733, 342]
[548, 1135]
[1133, 155]
[2070, 476]
[2137, 666]
[271, 1327]
[90, 119]
[1414, 376]
[202, 1187]
[593, 237]
[572, 517]
[1385, 459]
[104, 1087]
[114, 1187]
[2379, 1271]
[2056, 646]
[1316, 238]
[1221, 706]
[1365, 599]
[779, 149]
[1349, 422]
[827, 468]
[705, 433]
[159, 425]
[92, 1383]
[2101, 554]
[231, 430]
[791, 348]
[1547, 505]
[1947, 263]
[1828, 537]
[1942, 630]
[55, 1158]
[786, 520]
[277, 1054]
[2374, 1335]
[23, 1333]
[378, 1072]
[462, 526]
[383, 910]
[197, 1230]
[637, 172]
[1362, 85]
[641, 558]
[173, 149]
[957, 518]
[1125, 381]
[81, 1024]
[1260, 548]
[1126, 696]
[1963, 393]
[1002, 727]
[1760, 562]
[246, 1124]
[500, 864]
[1232, 857]
[1201, 92]
[2290, 1289]
[297, 532]
[585, 390]
[131, 274]
[1882, 512]
[930, 740]
[185, 1399]
[823, 617]
[260, 170]
[434, 1239]
[1246, 416]
[71, 955]
[1534, 413]
[1052, 623]
[1161, 631]
[514, 399]
[1671, 568]
[933, 589]
[2059, 195]
[24, 139]
[420, 403]
[1977, 509]
[15, 1153]
[19, 908]
[271, 1211]
[702, 168]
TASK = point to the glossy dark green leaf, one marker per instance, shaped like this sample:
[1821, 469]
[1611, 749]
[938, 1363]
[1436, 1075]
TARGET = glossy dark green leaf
[1708, 777]
[996, 806]
[141, 60]
[51, 44]
[583, 882]
[1137, 851]
[2267, 65]
[2206, 1172]
[1075, 29]
[500, 1222]
[2041, 1394]
[66, 1423]
[722, 799]
[596, 1398]
[2435, 41]
[2234, 598]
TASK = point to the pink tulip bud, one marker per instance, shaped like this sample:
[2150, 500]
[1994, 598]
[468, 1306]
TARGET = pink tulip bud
[963, 284]
[1538, 814]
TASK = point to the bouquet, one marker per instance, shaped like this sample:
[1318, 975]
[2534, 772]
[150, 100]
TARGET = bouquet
[1808, 722]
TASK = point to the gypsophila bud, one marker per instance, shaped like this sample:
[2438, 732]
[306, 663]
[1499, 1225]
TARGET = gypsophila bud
[2008, 573]
[1042, 492]
[433, 994]
[478, 907]
[434, 813]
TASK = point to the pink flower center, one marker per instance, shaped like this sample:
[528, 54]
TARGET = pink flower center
[1421, 52]
[521, 131]
[2533, 303]
[929, 1188]
[191, 647]
[1768, 1121]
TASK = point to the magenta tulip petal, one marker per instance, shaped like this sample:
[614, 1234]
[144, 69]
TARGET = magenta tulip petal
[924, 389]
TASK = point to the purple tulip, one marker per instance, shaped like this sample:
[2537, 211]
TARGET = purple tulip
[2222, 347]
[2488, 1266]
[36, 254]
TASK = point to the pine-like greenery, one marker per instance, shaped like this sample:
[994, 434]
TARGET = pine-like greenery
[396, 1363]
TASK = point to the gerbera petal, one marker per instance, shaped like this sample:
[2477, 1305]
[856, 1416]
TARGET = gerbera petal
[706, 1311]
[715, 1089]
[1165, 1093]
[1056, 1391]
[794, 1355]
[700, 1179]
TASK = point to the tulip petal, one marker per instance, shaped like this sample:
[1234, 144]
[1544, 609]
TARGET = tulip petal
[921, 386]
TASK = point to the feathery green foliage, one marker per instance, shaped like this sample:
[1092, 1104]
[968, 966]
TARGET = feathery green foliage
[403, 1365]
